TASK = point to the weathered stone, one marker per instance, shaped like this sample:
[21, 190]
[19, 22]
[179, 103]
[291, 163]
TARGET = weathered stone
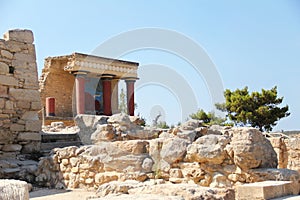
[24, 94]
[188, 135]
[2, 103]
[30, 115]
[8, 80]
[4, 68]
[192, 124]
[6, 54]
[26, 58]
[175, 173]
[120, 118]
[187, 191]
[17, 127]
[265, 190]
[173, 150]
[32, 136]
[11, 147]
[19, 35]
[33, 125]
[88, 125]
[133, 146]
[9, 105]
[3, 92]
[209, 148]
[36, 105]
[23, 104]
[220, 181]
[251, 149]
[33, 146]
[102, 178]
[264, 174]
[13, 189]
[146, 133]
[104, 132]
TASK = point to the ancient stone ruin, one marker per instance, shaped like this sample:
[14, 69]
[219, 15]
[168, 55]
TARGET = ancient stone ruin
[116, 155]
[19, 105]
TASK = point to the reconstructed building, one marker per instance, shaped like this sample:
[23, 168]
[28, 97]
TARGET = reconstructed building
[85, 84]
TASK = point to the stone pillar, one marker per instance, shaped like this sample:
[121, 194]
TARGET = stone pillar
[130, 96]
[106, 81]
[80, 93]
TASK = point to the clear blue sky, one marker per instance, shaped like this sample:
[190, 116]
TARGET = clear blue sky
[252, 43]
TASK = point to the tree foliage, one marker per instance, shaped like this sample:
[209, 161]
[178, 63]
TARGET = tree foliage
[257, 109]
[208, 118]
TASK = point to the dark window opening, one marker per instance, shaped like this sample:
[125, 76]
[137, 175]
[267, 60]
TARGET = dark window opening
[11, 70]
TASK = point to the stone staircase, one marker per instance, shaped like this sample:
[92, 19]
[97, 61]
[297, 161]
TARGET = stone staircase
[58, 140]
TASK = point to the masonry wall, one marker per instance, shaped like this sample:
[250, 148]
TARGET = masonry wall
[57, 83]
[288, 152]
[19, 96]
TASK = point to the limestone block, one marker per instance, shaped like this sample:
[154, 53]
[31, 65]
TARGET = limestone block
[8, 80]
[191, 124]
[173, 150]
[251, 149]
[30, 115]
[35, 125]
[6, 54]
[32, 136]
[19, 35]
[209, 148]
[17, 127]
[24, 94]
[36, 105]
[13, 189]
[104, 132]
[265, 190]
[4, 68]
[133, 146]
[27, 58]
[11, 147]
[102, 178]
[2, 103]
[23, 104]
[9, 105]
[3, 91]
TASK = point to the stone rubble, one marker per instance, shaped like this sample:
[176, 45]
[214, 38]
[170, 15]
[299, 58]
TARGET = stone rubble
[190, 156]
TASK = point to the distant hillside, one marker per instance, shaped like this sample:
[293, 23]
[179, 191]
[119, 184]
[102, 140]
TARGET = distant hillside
[291, 132]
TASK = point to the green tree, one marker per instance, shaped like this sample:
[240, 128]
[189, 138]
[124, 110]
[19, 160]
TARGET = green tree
[209, 118]
[257, 109]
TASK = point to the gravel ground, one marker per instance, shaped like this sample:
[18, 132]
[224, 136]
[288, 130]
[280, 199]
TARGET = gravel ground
[54, 194]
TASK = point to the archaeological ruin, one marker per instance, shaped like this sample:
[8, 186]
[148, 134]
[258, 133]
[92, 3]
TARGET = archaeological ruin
[116, 155]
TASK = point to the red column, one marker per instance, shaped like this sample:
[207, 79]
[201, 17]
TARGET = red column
[130, 96]
[107, 96]
[80, 94]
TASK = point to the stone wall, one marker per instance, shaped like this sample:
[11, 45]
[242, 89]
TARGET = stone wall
[218, 157]
[19, 96]
[288, 152]
[57, 83]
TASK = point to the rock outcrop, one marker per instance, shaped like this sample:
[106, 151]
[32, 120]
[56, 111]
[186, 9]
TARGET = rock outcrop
[13, 189]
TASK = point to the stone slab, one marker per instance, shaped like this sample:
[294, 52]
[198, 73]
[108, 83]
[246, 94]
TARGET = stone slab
[265, 190]
[19, 35]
